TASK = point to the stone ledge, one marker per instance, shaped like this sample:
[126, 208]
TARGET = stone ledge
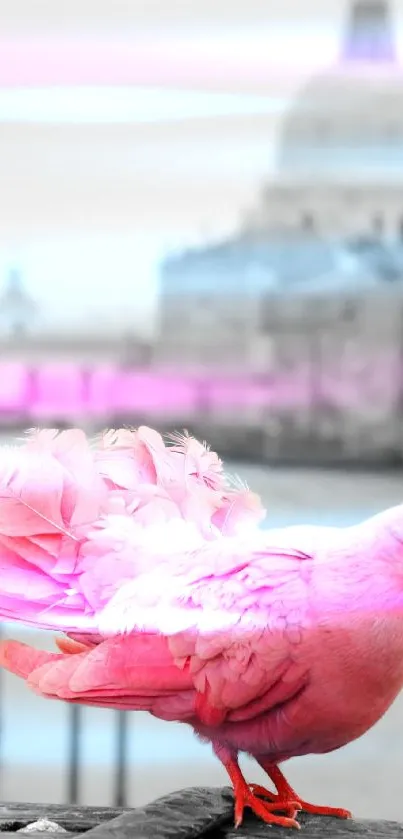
[186, 814]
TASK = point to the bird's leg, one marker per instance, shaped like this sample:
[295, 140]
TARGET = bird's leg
[286, 793]
[245, 797]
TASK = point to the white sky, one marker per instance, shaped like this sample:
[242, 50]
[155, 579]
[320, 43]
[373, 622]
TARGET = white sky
[96, 183]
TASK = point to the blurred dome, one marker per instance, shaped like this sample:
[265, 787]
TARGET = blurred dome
[349, 120]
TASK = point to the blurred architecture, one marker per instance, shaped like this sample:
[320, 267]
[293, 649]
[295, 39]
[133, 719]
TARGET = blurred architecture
[340, 154]
[308, 296]
[17, 309]
[329, 222]
[24, 338]
[290, 334]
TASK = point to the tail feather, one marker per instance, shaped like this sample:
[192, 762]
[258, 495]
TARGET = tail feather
[22, 660]
[136, 672]
[179, 707]
[70, 647]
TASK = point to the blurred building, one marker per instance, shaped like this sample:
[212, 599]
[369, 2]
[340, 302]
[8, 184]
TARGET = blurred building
[340, 155]
[329, 222]
[24, 338]
[215, 293]
[17, 308]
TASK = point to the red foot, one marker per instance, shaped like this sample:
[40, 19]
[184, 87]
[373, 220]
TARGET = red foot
[267, 811]
[262, 792]
[337, 812]
[286, 793]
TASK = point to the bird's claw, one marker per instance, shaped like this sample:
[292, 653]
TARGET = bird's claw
[299, 805]
[265, 810]
[291, 807]
[316, 810]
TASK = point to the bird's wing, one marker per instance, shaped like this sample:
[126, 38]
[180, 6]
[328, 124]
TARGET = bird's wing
[233, 612]
[208, 634]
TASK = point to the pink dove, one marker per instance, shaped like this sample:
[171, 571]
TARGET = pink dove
[276, 643]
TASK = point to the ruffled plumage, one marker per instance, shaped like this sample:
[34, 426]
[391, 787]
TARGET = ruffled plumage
[150, 560]
[66, 503]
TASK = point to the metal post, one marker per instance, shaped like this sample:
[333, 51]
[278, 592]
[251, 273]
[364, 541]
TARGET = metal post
[74, 754]
[121, 762]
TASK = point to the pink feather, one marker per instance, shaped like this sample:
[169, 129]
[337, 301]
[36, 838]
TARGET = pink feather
[150, 559]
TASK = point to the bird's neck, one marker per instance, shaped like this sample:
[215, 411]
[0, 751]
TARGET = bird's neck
[357, 606]
[361, 580]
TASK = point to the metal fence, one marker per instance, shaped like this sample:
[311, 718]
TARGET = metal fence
[120, 761]
[74, 759]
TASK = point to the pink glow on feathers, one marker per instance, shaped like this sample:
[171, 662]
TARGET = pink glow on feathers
[66, 503]
[174, 601]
